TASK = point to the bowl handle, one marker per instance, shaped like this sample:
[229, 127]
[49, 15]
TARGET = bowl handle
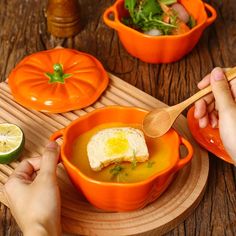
[212, 18]
[113, 23]
[183, 161]
[57, 135]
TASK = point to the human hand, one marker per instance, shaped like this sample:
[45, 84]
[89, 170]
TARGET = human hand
[219, 108]
[33, 194]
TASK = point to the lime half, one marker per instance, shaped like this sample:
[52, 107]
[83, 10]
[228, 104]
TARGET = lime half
[11, 142]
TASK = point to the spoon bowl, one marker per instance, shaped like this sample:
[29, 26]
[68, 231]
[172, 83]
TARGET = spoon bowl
[158, 122]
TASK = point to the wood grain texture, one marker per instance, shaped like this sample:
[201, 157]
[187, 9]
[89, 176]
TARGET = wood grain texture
[23, 31]
[78, 216]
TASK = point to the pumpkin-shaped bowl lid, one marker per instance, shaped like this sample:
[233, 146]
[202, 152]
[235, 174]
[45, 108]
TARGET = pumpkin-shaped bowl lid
[208, 137]
[58, 80]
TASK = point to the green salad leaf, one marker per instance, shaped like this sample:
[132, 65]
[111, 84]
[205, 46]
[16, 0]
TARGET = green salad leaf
[168, 2]
[147, 14]
[130, 5]
[151, 7]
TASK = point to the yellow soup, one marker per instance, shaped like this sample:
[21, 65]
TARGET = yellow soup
[122, 172]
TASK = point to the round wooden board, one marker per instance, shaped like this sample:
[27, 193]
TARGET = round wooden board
[180, 199]
[78, 216]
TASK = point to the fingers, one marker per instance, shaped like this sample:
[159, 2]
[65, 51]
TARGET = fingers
[50, 159]
[205, 109]
[26, 169]
[201, 112]
[221, 90]
[203, 122]
[233, 88]
[213, 119]
[204, 82]
[206, 103]
[200, 109]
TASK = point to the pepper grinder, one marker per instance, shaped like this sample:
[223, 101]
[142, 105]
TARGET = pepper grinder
[63, 18]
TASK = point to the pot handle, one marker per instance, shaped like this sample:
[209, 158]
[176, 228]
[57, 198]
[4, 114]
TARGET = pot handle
[182, 162]
[113, 23]
[57, 135]
[212, 18]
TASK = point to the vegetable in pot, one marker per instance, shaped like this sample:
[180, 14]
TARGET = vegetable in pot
[153, 32]
[181, 12]
[153, 17]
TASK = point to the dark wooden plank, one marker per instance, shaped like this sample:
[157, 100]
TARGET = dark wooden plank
[23, 31]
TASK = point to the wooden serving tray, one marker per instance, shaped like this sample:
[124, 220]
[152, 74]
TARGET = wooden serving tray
[78, 216]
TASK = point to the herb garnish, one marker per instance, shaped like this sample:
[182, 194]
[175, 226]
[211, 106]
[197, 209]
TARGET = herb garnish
[116, 172]
[150, 164]
[116, 169]
[134, 162]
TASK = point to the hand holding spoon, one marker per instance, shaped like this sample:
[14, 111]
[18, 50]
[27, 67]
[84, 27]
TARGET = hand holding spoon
[159, 121]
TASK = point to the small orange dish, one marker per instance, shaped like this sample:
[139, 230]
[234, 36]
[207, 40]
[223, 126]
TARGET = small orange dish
[58, 80]
[164, 48]
[208, 137]
[116, 195]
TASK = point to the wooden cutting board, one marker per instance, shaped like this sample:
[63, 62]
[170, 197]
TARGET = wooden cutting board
[78, 216]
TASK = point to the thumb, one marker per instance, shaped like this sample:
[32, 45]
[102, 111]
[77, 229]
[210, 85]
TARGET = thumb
[50, 158]
[221, 89]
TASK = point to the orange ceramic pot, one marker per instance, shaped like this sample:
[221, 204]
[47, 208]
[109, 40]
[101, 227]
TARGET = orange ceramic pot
[113, 196]
[160, 49]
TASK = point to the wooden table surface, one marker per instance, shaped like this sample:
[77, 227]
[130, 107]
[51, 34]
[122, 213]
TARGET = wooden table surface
[23, 31]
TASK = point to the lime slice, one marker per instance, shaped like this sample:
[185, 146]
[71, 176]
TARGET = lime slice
[11, 142]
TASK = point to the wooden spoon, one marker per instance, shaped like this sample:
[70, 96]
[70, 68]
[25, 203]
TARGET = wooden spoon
[159, 121]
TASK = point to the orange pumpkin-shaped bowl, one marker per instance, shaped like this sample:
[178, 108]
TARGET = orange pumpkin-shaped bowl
[58, 80]
[121, 196]
[160, 49]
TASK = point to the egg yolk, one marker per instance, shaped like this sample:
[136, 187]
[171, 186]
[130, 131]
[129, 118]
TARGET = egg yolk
[117, 145]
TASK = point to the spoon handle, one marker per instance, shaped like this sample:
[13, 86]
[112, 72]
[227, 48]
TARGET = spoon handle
[230, 74]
